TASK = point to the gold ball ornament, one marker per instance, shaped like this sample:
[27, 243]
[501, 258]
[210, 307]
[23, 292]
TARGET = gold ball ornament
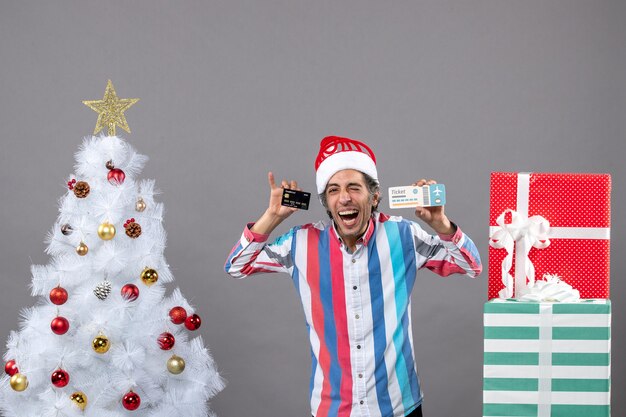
[82, 249]
[106, 231]
[19, 382]
[140, 205]
[149, 276]
[80, 399]
[101, 344]
[176, 365]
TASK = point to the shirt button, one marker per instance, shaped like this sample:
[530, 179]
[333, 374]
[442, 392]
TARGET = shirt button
[358, 346]
[360, 375]
[361, 402]
[353, 260]
[357, 316]
[354, 288]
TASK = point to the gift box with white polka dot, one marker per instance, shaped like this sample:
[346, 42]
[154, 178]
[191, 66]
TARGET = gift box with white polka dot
[579, 206]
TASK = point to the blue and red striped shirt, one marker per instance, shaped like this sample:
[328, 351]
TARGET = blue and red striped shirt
[357, 305]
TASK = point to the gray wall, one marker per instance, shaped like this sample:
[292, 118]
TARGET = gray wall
[231, 89]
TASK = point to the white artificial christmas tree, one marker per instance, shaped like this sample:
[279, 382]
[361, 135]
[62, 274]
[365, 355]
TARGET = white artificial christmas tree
[104, 340]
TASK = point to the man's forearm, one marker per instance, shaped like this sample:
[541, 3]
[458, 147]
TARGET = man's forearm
[266, 223]
[443, 226]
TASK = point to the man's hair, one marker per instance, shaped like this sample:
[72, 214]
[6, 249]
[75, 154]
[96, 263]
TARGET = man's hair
[372, 187]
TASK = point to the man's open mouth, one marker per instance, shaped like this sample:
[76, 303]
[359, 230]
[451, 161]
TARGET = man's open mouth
[348, 215]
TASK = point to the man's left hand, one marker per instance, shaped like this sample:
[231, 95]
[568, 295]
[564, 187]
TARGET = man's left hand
[434, 216]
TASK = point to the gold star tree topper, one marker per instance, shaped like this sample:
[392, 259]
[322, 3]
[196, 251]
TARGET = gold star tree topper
[111, 110]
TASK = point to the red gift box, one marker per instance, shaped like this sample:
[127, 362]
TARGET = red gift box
[552, 223]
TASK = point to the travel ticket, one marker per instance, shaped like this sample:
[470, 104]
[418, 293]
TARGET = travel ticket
[412, 196]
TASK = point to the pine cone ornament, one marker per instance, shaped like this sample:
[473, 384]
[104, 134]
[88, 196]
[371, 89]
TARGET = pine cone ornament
[102, 290]
[133, 230]
[81, 189]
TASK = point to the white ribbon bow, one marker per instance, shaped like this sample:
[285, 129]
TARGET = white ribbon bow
[526, 233]
[550, 289]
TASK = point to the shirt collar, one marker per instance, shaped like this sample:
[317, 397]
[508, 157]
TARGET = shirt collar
[363, 239]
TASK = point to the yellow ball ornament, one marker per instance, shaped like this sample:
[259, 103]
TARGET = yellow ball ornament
[140, 205]
[149, 276]
[80, 399]
[82, 249]
[106, 231]
[19, 382]
[176, 365]
[101, 344]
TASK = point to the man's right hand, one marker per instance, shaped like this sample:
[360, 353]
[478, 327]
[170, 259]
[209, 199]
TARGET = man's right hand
[276, 196]
[276, 212]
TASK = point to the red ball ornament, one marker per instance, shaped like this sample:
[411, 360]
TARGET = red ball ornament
[58, 296]
[130, 292]
[166, 341]
[60, 378]
[116, 176]
[131, 401]
[11, 367]
[193, 322]
[60, 325]
[178, 315]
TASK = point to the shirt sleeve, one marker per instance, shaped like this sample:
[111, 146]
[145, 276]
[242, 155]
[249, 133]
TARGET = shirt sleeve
[252, 254]
[446, 254]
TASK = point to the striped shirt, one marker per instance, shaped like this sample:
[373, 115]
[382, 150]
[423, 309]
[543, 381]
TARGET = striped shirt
[357, 305]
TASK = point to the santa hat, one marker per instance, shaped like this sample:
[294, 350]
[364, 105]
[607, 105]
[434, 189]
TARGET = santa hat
[337, 153]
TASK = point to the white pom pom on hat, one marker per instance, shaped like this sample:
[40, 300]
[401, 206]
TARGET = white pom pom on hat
[337, 153]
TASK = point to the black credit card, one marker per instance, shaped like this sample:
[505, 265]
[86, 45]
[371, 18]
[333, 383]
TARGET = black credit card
[296, 199]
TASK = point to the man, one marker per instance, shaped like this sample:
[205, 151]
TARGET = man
[355, 273]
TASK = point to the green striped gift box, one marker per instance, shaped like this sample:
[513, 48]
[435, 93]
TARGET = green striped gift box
[547, 359]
